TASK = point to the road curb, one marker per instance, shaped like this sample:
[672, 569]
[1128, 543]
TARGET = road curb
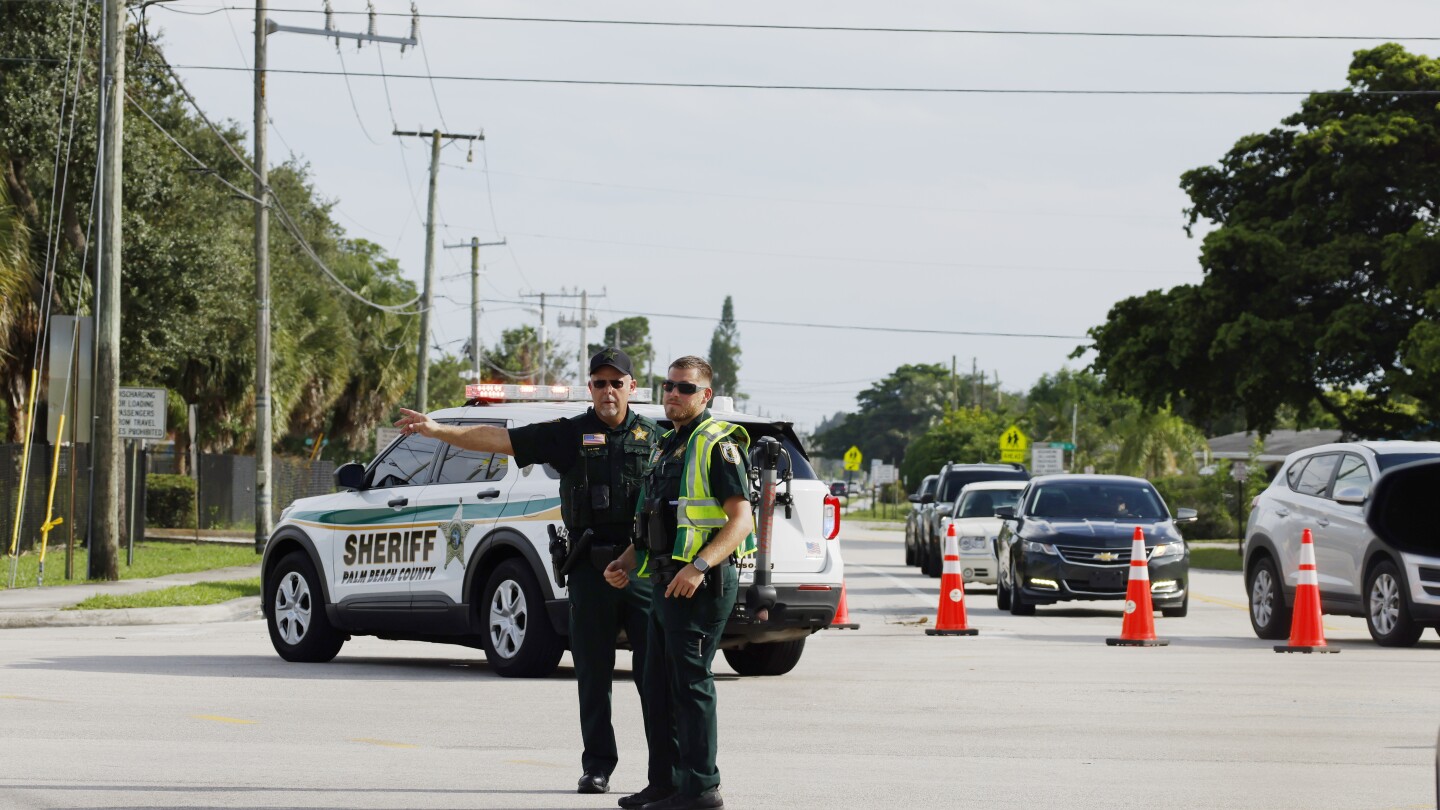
[242, 609]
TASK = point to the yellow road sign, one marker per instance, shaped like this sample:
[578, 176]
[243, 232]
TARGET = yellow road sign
[1013, 445]
[853, 459]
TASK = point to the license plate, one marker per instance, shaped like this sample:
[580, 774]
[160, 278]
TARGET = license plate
[1109, 580]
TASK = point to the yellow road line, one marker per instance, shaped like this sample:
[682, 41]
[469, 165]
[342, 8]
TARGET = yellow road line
[220, 719]
[385, 743]
[1227, 603]
[27, 697]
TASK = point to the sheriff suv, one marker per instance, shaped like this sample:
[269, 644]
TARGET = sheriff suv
[429, 542]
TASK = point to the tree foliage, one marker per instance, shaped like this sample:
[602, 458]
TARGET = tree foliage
[188, 291]
[1322, 277]
[892, 413]
[725, 353]
[632, 335]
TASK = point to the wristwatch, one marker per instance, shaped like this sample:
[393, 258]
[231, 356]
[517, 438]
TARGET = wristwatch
[700, 564]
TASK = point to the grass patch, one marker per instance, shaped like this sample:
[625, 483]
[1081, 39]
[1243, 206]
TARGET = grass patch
[889, 512]
[201, 593]
[1221, 559]
[151, 560]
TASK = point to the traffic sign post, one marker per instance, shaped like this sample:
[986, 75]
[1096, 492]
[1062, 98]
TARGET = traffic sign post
[142, 413]
[1013, 445]
[853, 459]
[1046, 460]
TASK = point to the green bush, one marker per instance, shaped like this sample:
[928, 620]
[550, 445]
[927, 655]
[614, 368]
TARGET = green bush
[1212, 496]
[170, 501]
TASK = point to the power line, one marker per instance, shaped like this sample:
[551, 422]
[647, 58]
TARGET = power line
[843, 327]
[997, 91]
[857, 28]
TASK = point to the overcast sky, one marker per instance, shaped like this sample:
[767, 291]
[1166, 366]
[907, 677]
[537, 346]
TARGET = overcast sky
[1020, 213]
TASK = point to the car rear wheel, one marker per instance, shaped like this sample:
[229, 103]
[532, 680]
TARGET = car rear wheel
[518, 638]
[909, 549]
[774, 658]
[299, 628]
[933, 564]
[1269, 615]
[1387, 612]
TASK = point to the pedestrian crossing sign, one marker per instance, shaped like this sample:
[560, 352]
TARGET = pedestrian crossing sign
[1013, 445]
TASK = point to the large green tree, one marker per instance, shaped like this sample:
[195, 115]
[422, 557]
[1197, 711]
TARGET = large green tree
[632, 335]
[892, 413]
[725, 353]
[1322, 275]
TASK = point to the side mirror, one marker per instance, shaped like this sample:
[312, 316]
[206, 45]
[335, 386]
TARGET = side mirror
[928, 497]
[350, 476]
[1352, 496]
[1186, 515]
[913, 498]
[1005, 512]
[944, 509]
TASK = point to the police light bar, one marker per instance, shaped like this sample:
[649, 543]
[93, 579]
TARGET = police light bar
[501, 392]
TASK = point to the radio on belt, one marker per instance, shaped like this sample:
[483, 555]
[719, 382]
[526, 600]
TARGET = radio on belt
[760, 597]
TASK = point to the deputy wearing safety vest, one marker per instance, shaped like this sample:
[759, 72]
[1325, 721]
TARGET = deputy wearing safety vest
[601, 456]
[695, 525]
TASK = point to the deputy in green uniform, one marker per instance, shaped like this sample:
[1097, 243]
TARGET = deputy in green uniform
[601, 456]
[695, 511]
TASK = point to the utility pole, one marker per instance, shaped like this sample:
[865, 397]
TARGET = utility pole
[105, 530]
[475, 244]
[422, 363]
[585, 321]
[954, 386]
[264, 440]
[975, 389]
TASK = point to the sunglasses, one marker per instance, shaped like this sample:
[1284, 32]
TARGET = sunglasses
[599, 385]
[686, 388]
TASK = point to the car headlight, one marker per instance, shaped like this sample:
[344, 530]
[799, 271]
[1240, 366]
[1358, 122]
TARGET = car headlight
[284, 513]
[1039, 548]
[1167, 550]
[974, 544]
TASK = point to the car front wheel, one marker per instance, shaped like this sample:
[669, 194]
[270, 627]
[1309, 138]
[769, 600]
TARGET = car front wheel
[1018, 605]
[1387, 612]
[518, 638]
[1179, 611]
[1002, 591]
[295, 615]
[1269, 615]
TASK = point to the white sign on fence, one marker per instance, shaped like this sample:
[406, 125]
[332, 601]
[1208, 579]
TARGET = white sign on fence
[1046, 460]
[385, 435]
[884, 474]
[142, 413]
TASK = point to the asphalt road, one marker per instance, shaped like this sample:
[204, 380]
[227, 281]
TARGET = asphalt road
[1035, 712]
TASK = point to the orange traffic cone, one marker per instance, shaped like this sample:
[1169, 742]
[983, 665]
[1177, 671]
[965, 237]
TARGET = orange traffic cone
[1307, 633]
[1139, 627]
[842, 614]
[950, 616]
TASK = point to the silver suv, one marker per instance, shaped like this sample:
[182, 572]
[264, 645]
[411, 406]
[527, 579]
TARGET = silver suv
[1325, 489]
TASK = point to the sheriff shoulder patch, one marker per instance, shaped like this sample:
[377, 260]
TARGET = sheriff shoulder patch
[592, 439]
[730, 451]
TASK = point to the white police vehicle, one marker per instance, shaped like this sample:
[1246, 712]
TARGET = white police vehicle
[432, 543]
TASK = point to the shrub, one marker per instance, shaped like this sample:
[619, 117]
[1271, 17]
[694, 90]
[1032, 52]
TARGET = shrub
[1212, 496]
[169, 501]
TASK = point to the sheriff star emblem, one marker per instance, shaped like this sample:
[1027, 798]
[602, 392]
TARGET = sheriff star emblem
[640, 434]
[453, 530]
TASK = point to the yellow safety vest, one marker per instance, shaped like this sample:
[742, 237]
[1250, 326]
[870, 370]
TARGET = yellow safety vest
[699, 513]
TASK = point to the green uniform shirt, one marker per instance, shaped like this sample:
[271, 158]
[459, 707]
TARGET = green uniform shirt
[601, 468]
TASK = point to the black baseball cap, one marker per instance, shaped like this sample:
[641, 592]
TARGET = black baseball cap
[614, 358]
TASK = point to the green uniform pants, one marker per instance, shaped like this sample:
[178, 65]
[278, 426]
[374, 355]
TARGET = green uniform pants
[684, 634]
[598, 612]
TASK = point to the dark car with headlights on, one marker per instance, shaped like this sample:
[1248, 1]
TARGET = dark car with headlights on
[1069, 538]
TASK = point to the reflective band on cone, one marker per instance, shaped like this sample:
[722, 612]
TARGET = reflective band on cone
[1139, 627]
[1307, 631]
[950, 616]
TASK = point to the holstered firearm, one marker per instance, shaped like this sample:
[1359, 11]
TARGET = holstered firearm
[564, 554]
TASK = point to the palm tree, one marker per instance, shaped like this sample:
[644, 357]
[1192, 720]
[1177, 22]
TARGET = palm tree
[1155, 444]
[18, 313]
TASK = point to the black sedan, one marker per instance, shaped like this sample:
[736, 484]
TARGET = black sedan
[1069, 538]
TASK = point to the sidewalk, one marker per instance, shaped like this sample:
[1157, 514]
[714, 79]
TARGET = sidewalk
[42, 607]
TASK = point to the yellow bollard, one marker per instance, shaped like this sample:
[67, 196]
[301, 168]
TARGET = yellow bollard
[50, 520]
[24, 475]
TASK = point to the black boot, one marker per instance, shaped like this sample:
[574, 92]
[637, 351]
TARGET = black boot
[593, 783]
[709, 800]
[650, 795]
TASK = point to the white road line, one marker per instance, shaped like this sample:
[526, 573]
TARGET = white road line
[927, 598]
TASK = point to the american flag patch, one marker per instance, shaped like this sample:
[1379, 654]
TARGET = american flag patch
[592, 439]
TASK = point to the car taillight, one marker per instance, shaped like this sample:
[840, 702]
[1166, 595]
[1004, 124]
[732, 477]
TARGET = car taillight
[831, 523]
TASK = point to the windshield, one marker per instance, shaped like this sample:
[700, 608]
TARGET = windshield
[1097, 500]
[982, 503]
[956, 480]
[1387, 460]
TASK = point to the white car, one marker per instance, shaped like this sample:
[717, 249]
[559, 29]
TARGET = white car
[973, 516]
[432, 543]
